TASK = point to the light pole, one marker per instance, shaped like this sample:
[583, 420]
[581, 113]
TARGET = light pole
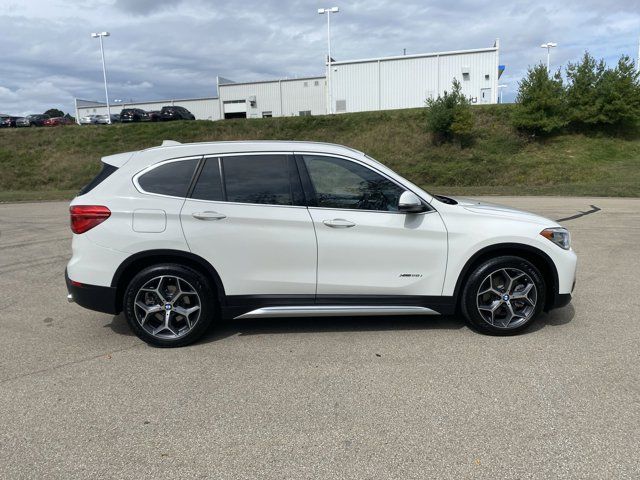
[104, 70]
[501, 88]
[548, 46]
[328, 12]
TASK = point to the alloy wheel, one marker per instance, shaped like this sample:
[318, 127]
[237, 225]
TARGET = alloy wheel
[507, 298]
[167, 307]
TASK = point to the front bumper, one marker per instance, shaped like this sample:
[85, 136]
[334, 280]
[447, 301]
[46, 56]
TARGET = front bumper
[93, 297]
[560, 300]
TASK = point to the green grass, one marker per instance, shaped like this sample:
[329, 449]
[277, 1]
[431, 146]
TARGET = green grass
[52, 163]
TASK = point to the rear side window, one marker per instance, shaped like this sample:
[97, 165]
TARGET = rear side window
[263, 179]
[209, 186]
[171, 179]
[98, 179]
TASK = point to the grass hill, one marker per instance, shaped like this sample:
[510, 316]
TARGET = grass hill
[53, 163]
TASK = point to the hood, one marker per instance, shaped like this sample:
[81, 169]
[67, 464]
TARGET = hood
[494, 209]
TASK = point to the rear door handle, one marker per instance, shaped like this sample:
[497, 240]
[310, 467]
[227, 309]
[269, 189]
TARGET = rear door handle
[339, 223]
[209, 215]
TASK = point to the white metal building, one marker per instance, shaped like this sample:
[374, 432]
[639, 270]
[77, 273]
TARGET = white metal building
[384, 83]
[202, 108]
[273, 98]
[408, 81]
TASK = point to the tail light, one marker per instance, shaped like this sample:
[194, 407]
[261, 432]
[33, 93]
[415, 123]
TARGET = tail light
[85, 217]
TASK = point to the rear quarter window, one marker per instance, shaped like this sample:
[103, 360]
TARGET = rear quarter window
[171, 178]
[98, 179]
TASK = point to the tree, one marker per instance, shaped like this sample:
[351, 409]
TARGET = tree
[54, 112]
[583, 102]
[449, 117]
[540, 104]
[618, 93]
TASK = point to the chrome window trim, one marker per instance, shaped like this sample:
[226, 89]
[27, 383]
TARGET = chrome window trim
[148, 168]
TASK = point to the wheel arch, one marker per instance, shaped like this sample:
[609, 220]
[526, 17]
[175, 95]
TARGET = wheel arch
[136, 262]
[536, 256]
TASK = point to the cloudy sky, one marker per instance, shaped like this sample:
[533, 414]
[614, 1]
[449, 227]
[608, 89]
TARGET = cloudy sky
[161, 49]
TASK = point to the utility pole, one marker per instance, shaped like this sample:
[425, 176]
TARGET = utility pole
[548, 46]
[328, 12]
[104, 71]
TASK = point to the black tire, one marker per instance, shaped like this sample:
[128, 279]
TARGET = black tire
[192, 278]
[470, 302]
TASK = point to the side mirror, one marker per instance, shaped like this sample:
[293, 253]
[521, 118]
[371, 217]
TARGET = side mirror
[410, 203]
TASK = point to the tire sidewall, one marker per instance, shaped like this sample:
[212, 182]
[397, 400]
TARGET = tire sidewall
[197, 281]
[469, 296]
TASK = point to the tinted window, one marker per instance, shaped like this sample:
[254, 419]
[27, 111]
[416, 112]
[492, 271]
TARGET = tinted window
[104, 173]
[209, 185]
[341, 183]
[169, 179]
[258, 179]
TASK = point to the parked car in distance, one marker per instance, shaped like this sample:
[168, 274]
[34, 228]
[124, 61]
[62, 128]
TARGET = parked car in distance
[56, 121]
[8, 121]
[37, 119]
[179, 236]
[154, 115]
[176, 113]
[103, 119]
[89, 120]
[133, 115]
[23, 122]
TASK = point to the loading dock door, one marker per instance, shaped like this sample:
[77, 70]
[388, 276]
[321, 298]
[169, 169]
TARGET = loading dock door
[235, 108]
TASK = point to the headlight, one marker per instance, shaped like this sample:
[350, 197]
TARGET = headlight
[558, 235]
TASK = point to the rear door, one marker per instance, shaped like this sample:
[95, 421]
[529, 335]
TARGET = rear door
[246, 216]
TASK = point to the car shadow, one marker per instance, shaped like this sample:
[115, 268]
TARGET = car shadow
[276, 326]
[554, 318]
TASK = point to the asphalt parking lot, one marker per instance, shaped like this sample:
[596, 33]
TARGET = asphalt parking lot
[81, 397]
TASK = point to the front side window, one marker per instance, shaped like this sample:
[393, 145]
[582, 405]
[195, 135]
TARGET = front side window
[263, 179]
[340, 183]
[172, 178]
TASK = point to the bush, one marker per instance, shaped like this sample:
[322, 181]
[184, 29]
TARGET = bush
[541, 102]
[449, 117]
[583, 96]
[619, 96]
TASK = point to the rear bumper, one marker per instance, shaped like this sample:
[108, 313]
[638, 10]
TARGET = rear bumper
[93, 297]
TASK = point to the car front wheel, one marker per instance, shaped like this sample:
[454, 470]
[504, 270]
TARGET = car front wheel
[169, 305]
[503, 295]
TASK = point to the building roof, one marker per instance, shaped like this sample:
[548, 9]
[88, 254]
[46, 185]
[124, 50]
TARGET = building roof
[89, 103]
[228, 82]
[418, 55]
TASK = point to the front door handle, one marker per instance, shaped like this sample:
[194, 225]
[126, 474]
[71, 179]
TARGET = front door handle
[339, 223]
[209, 215]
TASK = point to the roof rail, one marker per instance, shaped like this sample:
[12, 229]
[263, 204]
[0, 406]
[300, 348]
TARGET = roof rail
[169, 143]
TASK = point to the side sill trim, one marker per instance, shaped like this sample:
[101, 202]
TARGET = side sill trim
[335, 311]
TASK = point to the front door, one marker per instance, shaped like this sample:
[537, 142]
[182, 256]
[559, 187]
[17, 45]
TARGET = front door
[485, 95]
[246, 217]
[365, 246]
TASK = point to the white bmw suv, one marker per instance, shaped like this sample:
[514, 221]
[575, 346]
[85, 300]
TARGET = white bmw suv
[180, 235]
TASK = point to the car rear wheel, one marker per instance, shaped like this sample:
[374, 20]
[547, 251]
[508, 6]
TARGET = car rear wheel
[169, 305]
[503, 295]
